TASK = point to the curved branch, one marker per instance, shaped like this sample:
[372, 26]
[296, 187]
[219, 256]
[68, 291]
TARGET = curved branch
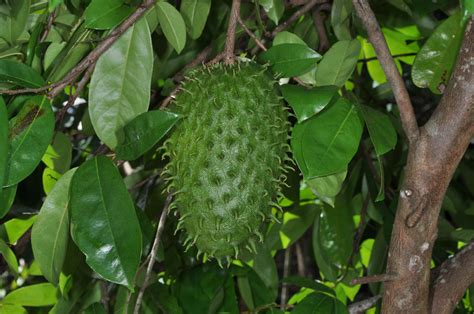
[400, 92]
[455, 276]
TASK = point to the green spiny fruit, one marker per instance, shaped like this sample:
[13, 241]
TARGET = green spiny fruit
[227, 156]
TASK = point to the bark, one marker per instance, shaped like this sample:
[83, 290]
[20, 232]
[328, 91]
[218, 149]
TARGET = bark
[432, 160]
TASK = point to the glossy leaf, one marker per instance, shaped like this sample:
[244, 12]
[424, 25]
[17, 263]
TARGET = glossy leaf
[325, 144]
[341, 17]
[43, 294]
[381, 131]
[106, 14]
[338, 63]
[4, 145]
[59, 153]
[143, 132]
[327, 186]
[273, 8]
[434, 63]
[7, 196]
[31, 132]
[19, 74]
[318, 303]
[291, 59]
[16, 228]
[50, 233]
[104, 224]
[9, 257]
[120, 86]
[14, 22]
[308, 102]
[195, 14]
[287, 38]
[172, 24]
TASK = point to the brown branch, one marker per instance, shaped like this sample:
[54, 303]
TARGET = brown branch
[362, 306]
[49, 24]
[286, 272]
[319, 17]
[455, 276]
[252, 35]
[200, 58]
[152, 255]
[55, 88]
[372, 279]
[228, 54]
[298, 13]
[400, 92]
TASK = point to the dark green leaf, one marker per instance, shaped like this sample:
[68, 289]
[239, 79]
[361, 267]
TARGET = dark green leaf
[434, 63]
[31, 132]
[318, 303]
[309, 283]
[54, 3]
[106, 14]
[340, 18]
[19, 74]
[291, 59]
[327, 186]
[50, 234]
[120, 86]
[338, 63]
[104, 224]
[13, 24]
[381, 131]
[264, 265]
[464, 235]
[95, 308]
[43, 294]
[273, 8]
[9, 257]
[325, 144]
[143, 132]
[4, 146]
[58, 154]
[7, 196]
[195, 14]
[172, 24]
[308, 102]
[467, 8]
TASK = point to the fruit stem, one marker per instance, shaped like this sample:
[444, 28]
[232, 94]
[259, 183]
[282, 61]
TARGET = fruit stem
[228, 54]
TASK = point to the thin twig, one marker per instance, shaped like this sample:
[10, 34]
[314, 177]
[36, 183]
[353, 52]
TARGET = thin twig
[372, 279]
[407, 115]
[362, 306]
[286, 271]
[252, 35]
[300, 260]
[228, 54]
[154, 250]
[48, 27]
[319, 16]
[200, 58]
[55, 88]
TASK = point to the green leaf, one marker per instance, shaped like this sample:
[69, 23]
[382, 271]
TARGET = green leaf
[467, 9]
[106, 14]
[16, 228]
[95, 308]
[43, 294]
[287, 38]
[338, 63]
[120, 86]
[172, 24]
[291, 59]
[143, 132]
[464, 235]
[308, 102]
[434, 63]
[264, 265]
[54, 3]
[50, 233]
[327, 186]
[318, 303]
[12, 309]
[50, 178]
[31, 132]
[104, 224]
[325, 144]
[7, 196]
[309, 283]
[273, 8]
[4, 145]
[58, 154]
[195, 14]
[13, 24]
[9, 257]
[381, 131]
[19, 74]
[340, 18]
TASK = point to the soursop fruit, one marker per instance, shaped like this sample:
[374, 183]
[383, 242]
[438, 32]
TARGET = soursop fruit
[227, 156]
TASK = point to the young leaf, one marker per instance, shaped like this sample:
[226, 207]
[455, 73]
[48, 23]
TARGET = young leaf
[172, 24]
[7, 196]
[327, 186]
[16, 228]
[143, 132]
[12, 309]
[4, 145]
[9, 257]
[14, 22]
[338, 63]
[43, 294]
[434, 63]
[19, 74]
[291, 59]
[50, 233]
[104, 224]
[195, 14]
[381, 131]
[59, 153]
[31, 132]
[120, 86]
[326, 143]
[50, 178]
[106, 14]
[308, 102]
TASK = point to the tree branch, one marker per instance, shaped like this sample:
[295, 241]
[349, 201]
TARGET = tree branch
[319, 16]
[372, 279]
[55, 88]
[400, 92]
[154, 250]
[228, 54]
[455, 276]
[362, 306]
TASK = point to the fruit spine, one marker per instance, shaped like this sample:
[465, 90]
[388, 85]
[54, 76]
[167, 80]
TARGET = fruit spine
[227, 157]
